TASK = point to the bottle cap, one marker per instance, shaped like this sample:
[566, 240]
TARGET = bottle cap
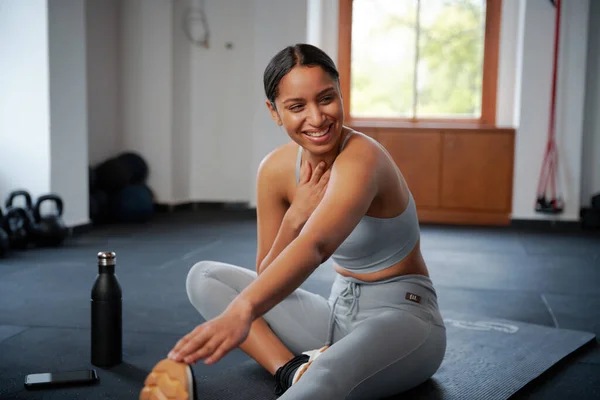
[107, 258]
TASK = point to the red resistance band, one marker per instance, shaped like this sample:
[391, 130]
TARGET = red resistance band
[549, 174]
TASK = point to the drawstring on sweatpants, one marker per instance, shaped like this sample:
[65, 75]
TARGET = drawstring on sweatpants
[351, 292]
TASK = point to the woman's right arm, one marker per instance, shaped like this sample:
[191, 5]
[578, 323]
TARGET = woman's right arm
[278, 225]
[288, 231]
[271, 209]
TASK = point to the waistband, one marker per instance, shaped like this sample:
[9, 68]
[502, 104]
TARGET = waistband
[396, 292]
[405, 289]
[415, 278]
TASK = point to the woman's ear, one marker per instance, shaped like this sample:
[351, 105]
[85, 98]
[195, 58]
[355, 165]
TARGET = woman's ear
[274, 113]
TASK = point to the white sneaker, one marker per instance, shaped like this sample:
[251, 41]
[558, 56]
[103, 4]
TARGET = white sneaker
[312, 355]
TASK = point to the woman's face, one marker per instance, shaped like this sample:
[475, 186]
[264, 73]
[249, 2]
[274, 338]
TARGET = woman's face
[309, 106]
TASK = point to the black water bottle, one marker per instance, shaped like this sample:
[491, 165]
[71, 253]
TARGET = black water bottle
[107, 333]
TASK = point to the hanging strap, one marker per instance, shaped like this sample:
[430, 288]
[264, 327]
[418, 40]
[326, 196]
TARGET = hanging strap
[549, 172]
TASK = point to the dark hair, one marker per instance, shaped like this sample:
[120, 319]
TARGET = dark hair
[288, 58]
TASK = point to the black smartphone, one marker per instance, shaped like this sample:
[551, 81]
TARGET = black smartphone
[66, 378]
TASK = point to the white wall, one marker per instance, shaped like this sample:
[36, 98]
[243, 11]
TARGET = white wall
[102, 63]
[222, 127]
[508, 86]
[222, 97]
[197, 114]
[322, 26]
[182, 118]
[590, 184]
[535, 90]
[24, 98]
[273, 30]
[68, 109]
[43, 118]
[146, 85]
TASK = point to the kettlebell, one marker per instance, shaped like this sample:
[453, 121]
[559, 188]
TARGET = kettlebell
[29, 220]
[15, 222]
[4, 241]
[50, 230]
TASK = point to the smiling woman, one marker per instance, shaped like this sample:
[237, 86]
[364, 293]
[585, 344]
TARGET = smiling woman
[303, 96]
[331, 192]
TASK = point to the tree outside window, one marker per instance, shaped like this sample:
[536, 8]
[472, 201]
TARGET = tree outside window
[420, 60]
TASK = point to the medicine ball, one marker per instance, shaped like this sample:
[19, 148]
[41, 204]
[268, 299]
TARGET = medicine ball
[134, 203]
[136, 165]
[91, 178]
[112, 175]
[596, 202]
[99, 206]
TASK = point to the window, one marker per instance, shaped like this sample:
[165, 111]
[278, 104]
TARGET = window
[419, 60]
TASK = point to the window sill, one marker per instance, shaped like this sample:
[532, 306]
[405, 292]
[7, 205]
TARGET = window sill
[422, 125]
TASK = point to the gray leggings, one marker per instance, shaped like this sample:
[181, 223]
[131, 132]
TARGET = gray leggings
[386, 337]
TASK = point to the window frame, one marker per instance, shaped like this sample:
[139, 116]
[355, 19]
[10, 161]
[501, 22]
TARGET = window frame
[489, 80]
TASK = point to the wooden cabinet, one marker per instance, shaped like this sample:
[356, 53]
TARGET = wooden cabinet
[419, 157]
[457, 176]
[477, 171]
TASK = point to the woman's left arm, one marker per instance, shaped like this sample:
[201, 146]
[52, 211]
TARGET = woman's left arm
[351, 190]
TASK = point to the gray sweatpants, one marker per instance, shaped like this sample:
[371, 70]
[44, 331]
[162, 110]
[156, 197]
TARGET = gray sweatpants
[386, 337]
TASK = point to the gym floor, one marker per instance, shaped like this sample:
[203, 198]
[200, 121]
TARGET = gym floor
[546, 278]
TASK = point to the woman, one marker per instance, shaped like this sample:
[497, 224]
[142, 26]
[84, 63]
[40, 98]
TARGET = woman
[330, 192]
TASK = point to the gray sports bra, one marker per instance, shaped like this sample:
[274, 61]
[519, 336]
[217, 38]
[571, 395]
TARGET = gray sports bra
[376, 243]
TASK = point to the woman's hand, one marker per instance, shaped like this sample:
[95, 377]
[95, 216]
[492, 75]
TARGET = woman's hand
[310, 190]
[212, 340]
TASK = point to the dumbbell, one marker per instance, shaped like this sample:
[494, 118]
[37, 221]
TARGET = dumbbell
[49, 229]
